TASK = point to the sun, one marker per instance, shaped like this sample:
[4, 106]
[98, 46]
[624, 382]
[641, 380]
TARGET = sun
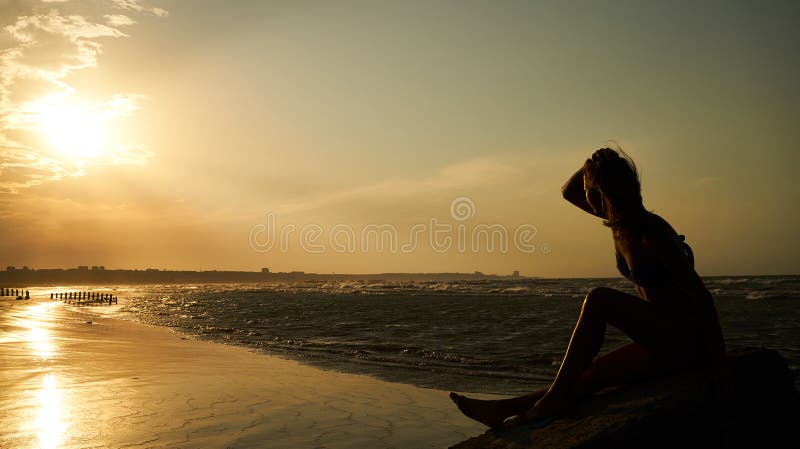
[74, 131]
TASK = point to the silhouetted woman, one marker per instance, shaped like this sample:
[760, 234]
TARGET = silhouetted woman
[673, 322]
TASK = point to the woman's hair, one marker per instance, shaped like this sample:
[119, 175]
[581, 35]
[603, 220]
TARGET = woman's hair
[616, 177]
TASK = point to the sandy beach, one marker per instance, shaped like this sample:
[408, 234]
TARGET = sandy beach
[77, 379]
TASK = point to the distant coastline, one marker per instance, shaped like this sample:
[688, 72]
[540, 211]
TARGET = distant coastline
[13, 276]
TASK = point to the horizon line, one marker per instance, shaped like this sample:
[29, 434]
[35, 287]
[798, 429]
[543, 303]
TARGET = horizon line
[515, 274]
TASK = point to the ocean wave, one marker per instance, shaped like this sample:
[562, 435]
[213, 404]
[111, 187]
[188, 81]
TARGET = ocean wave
[495, 335]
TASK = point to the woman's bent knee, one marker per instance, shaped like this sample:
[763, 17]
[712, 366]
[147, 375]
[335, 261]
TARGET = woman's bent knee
[598, 299]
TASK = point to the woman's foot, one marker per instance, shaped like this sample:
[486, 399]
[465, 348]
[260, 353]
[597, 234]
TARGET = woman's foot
[485, 412]
[546, 409]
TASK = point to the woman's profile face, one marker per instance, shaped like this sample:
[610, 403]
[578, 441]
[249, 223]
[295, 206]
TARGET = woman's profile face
[594, 197]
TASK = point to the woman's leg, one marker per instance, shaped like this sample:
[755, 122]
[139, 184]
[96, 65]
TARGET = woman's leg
[492, 412]
[625, 364]
[634, 316]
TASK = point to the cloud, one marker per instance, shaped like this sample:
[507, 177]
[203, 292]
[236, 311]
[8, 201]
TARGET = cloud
[482, 170]
[49, 47]
[135, 5]
[118, 20]
[125, 155]
[476, 173]
[40, 50]
[22, 167]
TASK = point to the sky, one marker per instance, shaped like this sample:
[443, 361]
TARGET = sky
[376, 136]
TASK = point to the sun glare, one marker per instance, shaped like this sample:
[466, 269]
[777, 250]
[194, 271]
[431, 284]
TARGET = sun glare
[73, 131]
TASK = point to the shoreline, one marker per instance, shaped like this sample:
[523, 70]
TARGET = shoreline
[118, 383]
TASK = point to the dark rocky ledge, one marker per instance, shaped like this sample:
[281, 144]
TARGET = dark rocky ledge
[748, 402]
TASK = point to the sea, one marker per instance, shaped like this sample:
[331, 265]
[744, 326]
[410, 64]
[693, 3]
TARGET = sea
[504, 336]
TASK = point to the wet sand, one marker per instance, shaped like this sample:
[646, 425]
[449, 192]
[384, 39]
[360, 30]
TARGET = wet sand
[112, 383]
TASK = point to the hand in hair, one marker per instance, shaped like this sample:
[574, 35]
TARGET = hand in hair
[604, 154]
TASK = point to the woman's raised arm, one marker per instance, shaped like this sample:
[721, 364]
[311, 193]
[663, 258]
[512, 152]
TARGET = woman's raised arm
[574, 193]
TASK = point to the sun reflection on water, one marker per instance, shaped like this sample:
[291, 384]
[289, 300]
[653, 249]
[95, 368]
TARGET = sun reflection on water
[40, 341]
[49, 423]
[36, 320]
[46, 422]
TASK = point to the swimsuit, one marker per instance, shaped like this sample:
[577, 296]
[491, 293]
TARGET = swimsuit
[691, 326]
[651, 274]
